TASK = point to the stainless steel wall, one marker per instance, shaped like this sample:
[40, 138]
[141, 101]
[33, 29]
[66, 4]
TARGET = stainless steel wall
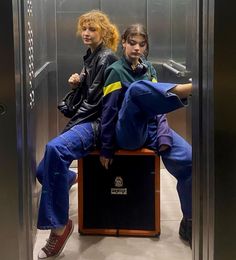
[11, 217]
[13, 181]
[27, 106]
[39, 50]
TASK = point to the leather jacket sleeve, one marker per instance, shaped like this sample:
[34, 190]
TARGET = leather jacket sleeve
[91, 105]
[92, 102]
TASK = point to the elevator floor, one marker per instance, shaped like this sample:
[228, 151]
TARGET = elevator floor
[167, 247]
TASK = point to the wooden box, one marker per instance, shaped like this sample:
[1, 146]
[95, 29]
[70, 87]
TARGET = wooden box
[124, 200]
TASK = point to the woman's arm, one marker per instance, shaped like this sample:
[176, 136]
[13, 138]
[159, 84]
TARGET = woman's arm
[110, 111]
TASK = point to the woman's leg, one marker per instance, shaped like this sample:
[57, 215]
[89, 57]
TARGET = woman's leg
[40, 170]
[178, 161]
[54, 170]
[143, 100]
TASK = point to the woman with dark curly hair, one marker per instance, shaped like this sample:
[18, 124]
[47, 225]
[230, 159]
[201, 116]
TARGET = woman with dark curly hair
[134, 107]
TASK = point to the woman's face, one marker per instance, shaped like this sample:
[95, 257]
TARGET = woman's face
[134, 47]
[91, 36]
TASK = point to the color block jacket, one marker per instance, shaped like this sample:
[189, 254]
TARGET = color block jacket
[118, 78]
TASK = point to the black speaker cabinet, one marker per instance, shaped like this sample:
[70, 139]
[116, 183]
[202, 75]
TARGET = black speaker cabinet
[124, 200]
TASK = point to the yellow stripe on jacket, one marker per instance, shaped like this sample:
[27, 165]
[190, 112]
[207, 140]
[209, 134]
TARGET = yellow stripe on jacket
[112, 87]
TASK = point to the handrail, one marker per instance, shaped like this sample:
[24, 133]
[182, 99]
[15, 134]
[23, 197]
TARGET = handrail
[170, 68]
[178, 69]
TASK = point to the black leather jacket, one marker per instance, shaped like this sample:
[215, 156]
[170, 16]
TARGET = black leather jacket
[90, 109]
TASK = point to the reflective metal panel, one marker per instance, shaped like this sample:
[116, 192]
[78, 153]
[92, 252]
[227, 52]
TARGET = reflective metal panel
[159, 28]
[13, 191]
[77, 6]
[23, 99]
[179, 25]
[44, 28]
[126, 12]
[39, 32]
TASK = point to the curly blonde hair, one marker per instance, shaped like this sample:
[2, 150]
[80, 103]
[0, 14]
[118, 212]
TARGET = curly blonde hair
[99, 20]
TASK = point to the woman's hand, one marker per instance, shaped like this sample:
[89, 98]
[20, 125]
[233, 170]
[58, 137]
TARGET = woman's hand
[74, 80]
[106, 162]
[163, 147]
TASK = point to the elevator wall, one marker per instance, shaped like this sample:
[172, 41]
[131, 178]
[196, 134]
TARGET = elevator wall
[9, 181]
[42, 118]
[28, 116]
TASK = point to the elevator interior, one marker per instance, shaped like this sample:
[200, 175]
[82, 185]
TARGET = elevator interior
[39, 51]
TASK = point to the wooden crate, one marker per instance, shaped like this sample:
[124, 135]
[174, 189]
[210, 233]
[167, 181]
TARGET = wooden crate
[124, 200]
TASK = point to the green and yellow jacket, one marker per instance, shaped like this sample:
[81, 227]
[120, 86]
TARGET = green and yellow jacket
[119, 76]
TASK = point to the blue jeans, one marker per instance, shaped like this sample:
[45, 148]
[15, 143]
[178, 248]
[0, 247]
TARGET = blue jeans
[143, 100]
[56, 178]
[178, 162]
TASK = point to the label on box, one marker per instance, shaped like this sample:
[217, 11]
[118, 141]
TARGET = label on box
[118, 190]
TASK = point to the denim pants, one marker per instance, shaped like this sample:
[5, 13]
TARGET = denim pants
[143, 100]
[56, 178]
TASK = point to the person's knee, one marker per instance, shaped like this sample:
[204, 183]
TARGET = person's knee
[52, 146]
[39, 173]
[136, 90]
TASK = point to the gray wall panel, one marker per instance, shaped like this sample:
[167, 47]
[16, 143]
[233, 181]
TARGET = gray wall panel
[68, 44]
[51, 29]
[159, 28]
[14, 225]
[77, 6]
[40, 33]
[39, 109]
[126, 12]
[52, 101]
[44, 25]
[41, 116]
[178, 29]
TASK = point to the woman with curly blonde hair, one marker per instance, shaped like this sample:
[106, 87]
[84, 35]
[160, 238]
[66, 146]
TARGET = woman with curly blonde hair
[80, 134]
[101, 22]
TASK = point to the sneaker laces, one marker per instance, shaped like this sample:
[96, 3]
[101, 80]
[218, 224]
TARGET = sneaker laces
[51, 242]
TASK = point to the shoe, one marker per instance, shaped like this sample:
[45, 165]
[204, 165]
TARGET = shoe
[75, 180]
[55, 243]
[185, 230]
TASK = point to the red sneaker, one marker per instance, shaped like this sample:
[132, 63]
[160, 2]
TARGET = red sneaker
[55, 243]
